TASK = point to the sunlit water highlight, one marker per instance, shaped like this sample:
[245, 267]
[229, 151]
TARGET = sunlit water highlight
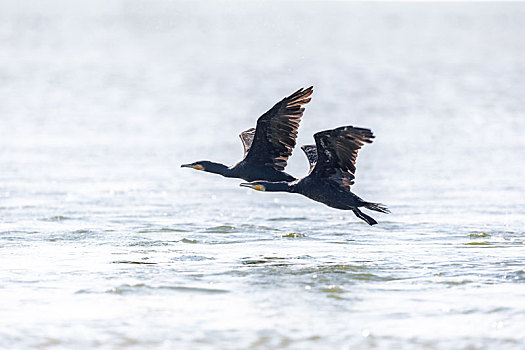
[106, 242]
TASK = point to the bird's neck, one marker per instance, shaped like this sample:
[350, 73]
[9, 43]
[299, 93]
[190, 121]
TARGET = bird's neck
[281, 186]
[217, 168]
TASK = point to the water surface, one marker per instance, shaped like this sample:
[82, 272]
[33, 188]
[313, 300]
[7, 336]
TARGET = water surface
[106, 242]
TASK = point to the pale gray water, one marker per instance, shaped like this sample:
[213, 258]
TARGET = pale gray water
[106, 242]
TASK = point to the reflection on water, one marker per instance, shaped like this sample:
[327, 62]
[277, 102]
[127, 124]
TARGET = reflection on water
[106, 242]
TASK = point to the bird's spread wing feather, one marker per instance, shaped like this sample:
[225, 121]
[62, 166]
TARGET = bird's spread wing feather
[276, 131]
[247, 139]
[337, 152]
[311, 154]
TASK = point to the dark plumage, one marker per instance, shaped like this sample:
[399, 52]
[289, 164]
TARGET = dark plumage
[268, 146]
[332, 167]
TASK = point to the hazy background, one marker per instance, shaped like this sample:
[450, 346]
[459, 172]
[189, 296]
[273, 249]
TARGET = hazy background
[100, 103]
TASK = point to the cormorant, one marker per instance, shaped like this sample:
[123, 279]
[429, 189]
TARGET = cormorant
[332, 168]
[268, 146]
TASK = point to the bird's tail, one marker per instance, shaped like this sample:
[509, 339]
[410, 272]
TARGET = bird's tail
[376, 207]
[369, 220]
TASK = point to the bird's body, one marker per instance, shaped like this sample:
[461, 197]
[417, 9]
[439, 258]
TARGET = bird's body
[332, 167]
[326, 193]
[268, 146]
[253, 172]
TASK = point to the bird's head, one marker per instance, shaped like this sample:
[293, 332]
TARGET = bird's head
[206, 165]
[200, 165]
[256, 185]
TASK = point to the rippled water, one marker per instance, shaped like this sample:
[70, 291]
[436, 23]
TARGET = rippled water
[106, 242]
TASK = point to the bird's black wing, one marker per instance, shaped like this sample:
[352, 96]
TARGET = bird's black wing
[311, 154]
[276, 131]
[247, 139]
[337, 153]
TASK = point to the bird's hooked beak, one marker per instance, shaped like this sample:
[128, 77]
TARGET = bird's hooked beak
[193, 166]
[255, 187]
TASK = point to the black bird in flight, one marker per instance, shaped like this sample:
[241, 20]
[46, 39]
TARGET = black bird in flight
[332, 167]
[268, 146]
